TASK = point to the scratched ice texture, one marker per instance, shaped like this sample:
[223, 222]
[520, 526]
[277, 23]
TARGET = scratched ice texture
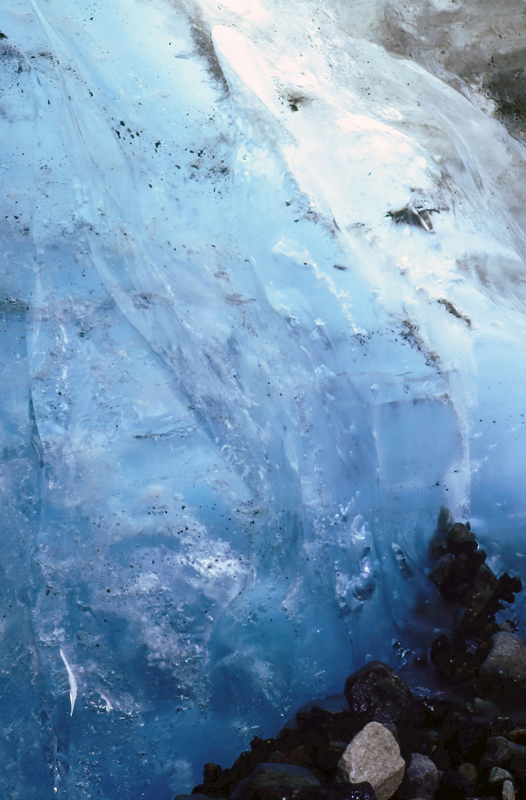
[262, 314]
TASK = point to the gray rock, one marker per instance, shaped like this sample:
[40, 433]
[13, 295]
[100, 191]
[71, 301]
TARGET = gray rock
[420, 779]
[502, 753]
[373, 756]
[503, 673]
[498, 752]
[507, 657]
[499, 775]
[518, 736]
[508, 791]
[272, 781]
[468, 771]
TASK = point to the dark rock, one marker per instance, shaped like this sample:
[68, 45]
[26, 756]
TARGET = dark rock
[503, 673]
[211, 773]
[429, 742]
[441, 575]
[508, 587]
[341, 726]
[462, 738]
[460, 573]
[356, 791]
[420, 779]
[518, 736]
[192, 797]
[459, 539]
[275, 782]
[442, 655]
[454, 786]
[458, 659]
[437, 545]
[377, 693]
[325, 757]
[480, 594]
[297, 757]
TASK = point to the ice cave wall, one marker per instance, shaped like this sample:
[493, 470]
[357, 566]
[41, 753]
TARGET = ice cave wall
[235, 393]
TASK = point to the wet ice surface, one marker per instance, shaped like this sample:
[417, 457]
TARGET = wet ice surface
[237, 384]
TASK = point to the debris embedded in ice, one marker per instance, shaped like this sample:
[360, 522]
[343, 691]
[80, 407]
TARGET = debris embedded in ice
[411, 215]
[405, 570]
[453, 311]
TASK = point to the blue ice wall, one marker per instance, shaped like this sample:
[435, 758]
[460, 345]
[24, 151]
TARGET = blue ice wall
[234, 393]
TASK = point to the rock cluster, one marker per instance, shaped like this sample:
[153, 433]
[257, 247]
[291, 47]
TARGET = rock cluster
[441, 747]
[477, 653]
[466, 742]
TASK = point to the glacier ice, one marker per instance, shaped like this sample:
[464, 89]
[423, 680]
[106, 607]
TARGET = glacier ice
[235, 392]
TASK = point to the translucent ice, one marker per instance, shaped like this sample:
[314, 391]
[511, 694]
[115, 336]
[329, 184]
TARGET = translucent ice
[262, 315]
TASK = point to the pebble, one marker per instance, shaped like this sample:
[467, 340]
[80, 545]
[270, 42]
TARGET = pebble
[373, 756]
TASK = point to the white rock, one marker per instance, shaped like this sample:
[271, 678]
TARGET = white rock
[373, 756]
[508, 792]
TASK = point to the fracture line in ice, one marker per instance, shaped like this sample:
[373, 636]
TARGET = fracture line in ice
[72, 682]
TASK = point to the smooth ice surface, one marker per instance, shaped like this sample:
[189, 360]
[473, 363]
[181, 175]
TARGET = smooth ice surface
[234, 391]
